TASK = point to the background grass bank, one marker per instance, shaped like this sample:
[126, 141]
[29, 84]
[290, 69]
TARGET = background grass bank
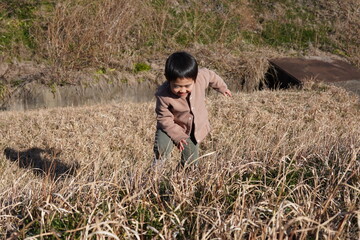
[90, 36]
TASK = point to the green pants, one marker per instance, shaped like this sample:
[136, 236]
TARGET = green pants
[164, 145]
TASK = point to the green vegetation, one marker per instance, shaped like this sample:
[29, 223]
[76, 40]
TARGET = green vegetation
[295, 27]
[53, 87]
[290, 35]
[17, 20]
[140, 67]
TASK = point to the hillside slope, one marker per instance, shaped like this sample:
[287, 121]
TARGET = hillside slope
[71, 42]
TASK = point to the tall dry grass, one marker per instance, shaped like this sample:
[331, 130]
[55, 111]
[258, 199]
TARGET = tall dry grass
[277, 165]
[345, 17]
[77, 39]
[78, 34]
[81, 33]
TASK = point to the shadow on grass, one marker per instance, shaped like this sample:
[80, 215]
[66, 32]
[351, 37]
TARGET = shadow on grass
[43, 162]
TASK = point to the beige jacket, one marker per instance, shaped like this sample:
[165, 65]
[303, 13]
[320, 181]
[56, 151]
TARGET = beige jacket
[175, 115]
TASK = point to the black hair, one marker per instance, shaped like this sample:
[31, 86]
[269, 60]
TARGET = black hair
[181, 65]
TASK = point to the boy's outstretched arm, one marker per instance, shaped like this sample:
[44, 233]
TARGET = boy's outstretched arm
[216, 82]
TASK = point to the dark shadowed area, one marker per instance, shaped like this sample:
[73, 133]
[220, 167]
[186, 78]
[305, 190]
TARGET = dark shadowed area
[44, 162]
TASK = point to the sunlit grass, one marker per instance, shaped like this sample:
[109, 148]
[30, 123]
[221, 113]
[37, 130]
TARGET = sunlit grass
[277, 164]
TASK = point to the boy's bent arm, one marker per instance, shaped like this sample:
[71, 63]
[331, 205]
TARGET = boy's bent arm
[165, 122]
[215, 81]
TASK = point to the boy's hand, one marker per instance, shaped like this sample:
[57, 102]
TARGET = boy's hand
[227, 93]
[181, 144]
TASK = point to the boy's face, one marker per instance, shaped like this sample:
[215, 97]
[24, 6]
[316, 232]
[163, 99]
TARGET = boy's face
[182, 86]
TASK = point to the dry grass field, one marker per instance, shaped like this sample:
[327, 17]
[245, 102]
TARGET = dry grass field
[277, 165]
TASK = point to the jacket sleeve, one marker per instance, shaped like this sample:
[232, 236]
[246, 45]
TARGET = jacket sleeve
[165, 121]
[215, 81]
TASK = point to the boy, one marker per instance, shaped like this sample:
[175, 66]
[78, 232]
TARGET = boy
[182, 118]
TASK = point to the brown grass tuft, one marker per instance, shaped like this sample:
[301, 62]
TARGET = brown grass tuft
[83, 32]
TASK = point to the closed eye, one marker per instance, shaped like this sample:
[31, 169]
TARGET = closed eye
[179, 86]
